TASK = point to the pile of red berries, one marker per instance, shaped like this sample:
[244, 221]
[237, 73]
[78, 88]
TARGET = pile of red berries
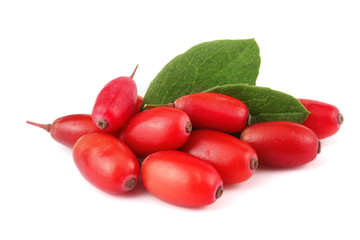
[187, 150]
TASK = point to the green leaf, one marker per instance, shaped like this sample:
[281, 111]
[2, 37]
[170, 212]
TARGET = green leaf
[264, 103]
[204, 66]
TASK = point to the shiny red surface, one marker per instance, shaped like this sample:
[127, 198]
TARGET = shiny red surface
[323, 118]
[106, 162]
[68, 129]
[282, 143]
[228, 154]
[156, 129]
[116, 103]
[214, 111]
[180, 178]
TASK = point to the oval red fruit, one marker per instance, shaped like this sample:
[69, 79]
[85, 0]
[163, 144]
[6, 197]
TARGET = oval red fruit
[180, 178]
[324, 119]
[68, 129]
[282, 143]
[106, 162]
[214, 111]
[115, 103]
[156, 129]
[235, 160]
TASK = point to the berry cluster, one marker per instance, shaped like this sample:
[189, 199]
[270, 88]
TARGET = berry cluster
[187, 150]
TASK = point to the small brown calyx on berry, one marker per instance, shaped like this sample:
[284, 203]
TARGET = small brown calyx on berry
[319, 147]
[130, 184]
[219, 192]
[188, 127]
[254, 163]
[340, 119]
[101, 123]
[248, 120]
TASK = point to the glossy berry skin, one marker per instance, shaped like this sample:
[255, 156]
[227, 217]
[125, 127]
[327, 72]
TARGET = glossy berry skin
[68, 129]
[115, 104]
[139, 102]
[181, 179]
[235, 160]
[214, 111]
[282, 143]
[106, 162]
[324, 119]
[156, 129]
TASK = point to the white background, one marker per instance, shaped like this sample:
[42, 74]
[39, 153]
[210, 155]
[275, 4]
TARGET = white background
[56, 55]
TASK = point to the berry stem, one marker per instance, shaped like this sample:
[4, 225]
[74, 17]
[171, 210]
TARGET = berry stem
[46, 127]
[159, 105]
[132, 75]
